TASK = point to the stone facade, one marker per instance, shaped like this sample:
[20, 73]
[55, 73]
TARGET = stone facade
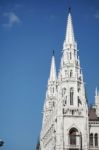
[68, 123]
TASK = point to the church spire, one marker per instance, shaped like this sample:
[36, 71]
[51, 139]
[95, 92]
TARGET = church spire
[69, 32]
[69, 38]
[53, 69]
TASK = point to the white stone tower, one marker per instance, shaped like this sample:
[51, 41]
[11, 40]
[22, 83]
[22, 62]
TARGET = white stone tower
[65, 117]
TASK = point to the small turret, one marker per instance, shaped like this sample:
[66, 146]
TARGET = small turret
[97, 102]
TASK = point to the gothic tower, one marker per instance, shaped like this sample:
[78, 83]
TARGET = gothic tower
[65, 115]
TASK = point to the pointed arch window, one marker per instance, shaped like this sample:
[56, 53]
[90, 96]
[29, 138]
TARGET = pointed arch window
[91, 139]
[73, 136]
[96, 139]
[71, 73]
[79, 101]
[70, 55]
[65, 100]
[71, 96]
[63, 91]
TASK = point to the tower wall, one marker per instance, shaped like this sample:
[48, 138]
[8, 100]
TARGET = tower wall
[65, 120]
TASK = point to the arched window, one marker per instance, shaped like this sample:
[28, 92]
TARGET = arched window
[63, 91]
[96, 139]
[70, 55]
[73, 136]
[91, 139]
[79, 101]
[71, 96]
[65, 100]
[71, 73]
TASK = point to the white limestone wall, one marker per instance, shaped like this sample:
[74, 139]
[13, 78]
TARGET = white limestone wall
[80, 124]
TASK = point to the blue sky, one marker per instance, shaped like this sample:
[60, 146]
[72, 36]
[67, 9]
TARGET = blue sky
[29, 31]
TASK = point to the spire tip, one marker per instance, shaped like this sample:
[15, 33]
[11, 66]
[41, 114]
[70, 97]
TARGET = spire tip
[69, 9]
[53, 52]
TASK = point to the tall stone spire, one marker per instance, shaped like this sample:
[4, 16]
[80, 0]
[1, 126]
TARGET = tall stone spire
[69, 37]
[52, 76]
[50, 93]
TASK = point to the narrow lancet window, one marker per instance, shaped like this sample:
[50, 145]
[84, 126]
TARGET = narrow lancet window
[71, 73]
[71, 96]
[96, 139]
[63, 91]
[91, 139]
[70, 55]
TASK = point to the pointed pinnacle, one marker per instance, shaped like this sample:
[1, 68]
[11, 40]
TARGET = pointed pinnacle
[52, 70]
[69, 9]
[53, 53]
[69, 31]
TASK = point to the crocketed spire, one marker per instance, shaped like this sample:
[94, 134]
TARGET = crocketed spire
[69, 37]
